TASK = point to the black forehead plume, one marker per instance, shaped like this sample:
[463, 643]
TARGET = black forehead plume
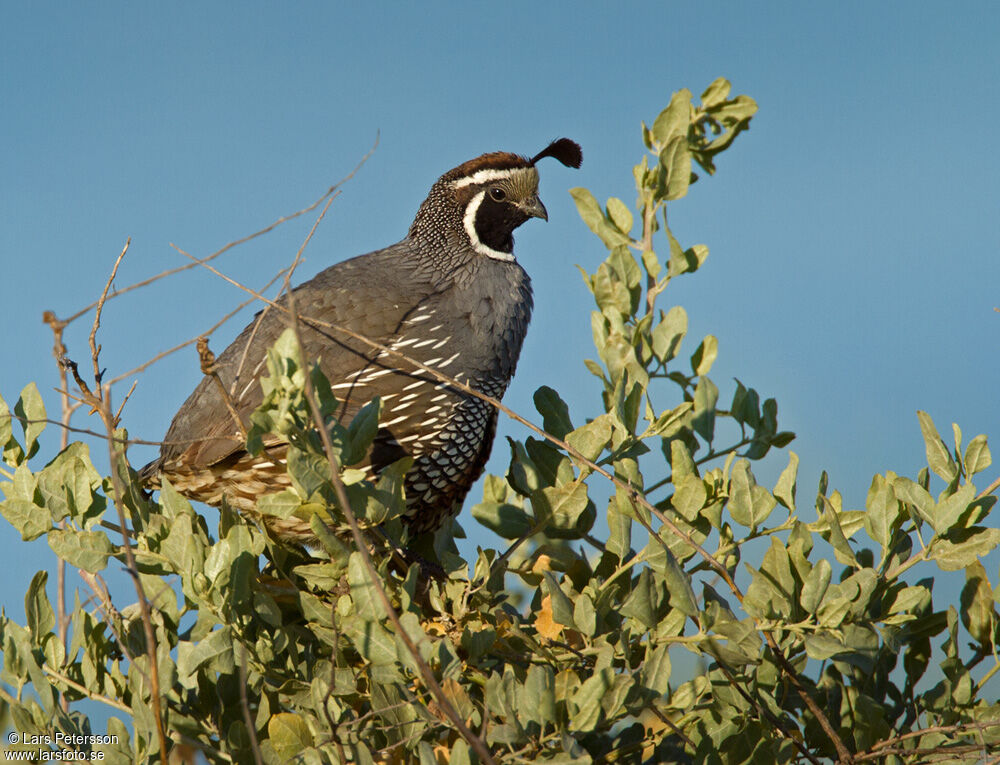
[566, 151]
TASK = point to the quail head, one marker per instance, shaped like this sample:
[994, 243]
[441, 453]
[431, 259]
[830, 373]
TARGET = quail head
[450, 295]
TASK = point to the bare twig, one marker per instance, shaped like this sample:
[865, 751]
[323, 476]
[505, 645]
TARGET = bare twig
[245, 706]
[145, 365]
[217, 253]
[876, 750]
[100, 401]
[58, 351]
[121, 406]
[70, 364]
[111, 614]
[673, 726]
[928, 755]
[93, 696]
[95, 350]
[209, 368]
[843, 754]
[989, 489]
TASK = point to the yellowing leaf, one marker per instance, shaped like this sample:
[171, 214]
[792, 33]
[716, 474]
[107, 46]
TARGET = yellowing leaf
[542, 563]
[545, 625]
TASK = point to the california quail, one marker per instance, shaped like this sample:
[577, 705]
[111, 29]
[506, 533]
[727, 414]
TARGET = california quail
[450, 295]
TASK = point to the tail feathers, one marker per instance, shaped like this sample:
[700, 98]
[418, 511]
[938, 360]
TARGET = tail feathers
[149, 475]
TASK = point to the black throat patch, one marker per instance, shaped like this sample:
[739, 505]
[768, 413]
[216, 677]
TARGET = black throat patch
[495, 223]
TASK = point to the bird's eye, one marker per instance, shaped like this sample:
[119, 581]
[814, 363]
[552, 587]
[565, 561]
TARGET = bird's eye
[498, 194]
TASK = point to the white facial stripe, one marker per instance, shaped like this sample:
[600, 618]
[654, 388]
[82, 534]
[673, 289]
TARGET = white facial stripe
[469, 221]
[483, 176]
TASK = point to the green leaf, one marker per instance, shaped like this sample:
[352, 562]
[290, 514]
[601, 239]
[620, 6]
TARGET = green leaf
[586, 702]
[962, 547]
[643, 602]
[30, 410]
[460, 753]
[690, 496]
[584, 615]
[681, 463]
[38, 611]
[749, 504]
[977, 611]
[509, 521]
[695, 257]
[620, 215]
[288, 359]
[741, 644]
[669, 422]
[289, 734]
[939, 459]
[367, 603]
[88, 550]
[679, 590]
[675, 159]
[611, 294]
[591, 439]
[538, 697]
[949, 511]
[977, 456]
[916, 495]
[322, 576]
[674, 120]
[841, 548]
[883, 511]
[777, 569]
[910, 600]
[27, 517]
[373, 641]
[619, 525]
[555, 413]
[595, 219]
[651, 263]
[560, 507]
[784, 490]
[623, 262]
[7, 441]
[310, 473]
[668, 334]
[361, 432]
[654, 673]
[328, 403]
[562, 606]
[716, 93]
[214, 653]
[823, 645]
[815, 586]
[705, 355]
[282, 504]
[554, 468]
[706, 396]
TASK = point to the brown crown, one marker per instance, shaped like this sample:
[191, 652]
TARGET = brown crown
[495, 160]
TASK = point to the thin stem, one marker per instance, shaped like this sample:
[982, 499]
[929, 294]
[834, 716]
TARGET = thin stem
[60, 677]
[245, 706]
[989, 489]
[100, 401]
[58, 351]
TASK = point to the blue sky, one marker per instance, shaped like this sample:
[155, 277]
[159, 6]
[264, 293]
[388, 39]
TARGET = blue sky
[853, 230]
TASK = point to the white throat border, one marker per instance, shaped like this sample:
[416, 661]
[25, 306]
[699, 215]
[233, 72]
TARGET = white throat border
[469, 221]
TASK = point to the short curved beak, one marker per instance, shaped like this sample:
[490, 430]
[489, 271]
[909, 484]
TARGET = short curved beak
[533, 208]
